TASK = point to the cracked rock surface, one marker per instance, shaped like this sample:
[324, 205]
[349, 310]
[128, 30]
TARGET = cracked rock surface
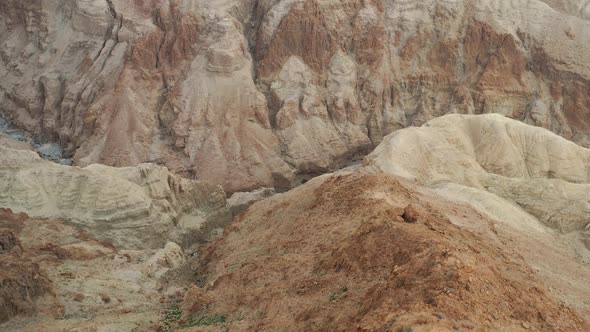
[267, 93]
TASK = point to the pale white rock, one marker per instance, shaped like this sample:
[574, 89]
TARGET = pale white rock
[133, 207]
[470, 157]
[168, 258]
[240, 201]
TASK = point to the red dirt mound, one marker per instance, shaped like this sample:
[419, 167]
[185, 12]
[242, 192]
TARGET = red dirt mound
[337, 255]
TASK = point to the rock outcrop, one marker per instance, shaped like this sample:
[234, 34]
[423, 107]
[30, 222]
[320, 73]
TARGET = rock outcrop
[133, 207]
[249, 94]
[473, 156]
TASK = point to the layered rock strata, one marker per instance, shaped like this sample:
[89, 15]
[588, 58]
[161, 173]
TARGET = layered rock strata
[268, 93]
[132, 207]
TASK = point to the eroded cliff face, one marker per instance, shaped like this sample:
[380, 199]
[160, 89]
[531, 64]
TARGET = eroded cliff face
[132, 207]
[265, 93]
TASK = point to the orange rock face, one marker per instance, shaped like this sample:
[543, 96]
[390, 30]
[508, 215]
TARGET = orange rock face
[265, 93]
[302, 33]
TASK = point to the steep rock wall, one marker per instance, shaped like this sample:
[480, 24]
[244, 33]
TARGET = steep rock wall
[265, 93]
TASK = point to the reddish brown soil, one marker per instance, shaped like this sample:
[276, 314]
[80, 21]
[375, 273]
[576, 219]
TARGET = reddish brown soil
[21, 280]
[336, 255]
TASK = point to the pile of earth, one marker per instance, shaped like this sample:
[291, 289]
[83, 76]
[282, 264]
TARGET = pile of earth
[362, 252]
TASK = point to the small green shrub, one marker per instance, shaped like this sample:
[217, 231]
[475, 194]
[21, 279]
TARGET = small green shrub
[172, 314]
[205, 320]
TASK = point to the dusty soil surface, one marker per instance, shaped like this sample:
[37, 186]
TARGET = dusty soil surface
[338, 255]
[21, 280]
[344, 252]
[54, 277]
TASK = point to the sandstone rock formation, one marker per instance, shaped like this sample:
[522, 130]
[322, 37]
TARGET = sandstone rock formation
[133, 207]
[458, 224]
[531, 168]
[250, 94]
[162, 105]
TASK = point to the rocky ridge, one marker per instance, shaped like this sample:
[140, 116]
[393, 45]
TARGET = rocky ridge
[481, 159]
[405, 240]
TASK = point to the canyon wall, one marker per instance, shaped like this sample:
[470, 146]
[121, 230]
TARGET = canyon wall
[268, 93]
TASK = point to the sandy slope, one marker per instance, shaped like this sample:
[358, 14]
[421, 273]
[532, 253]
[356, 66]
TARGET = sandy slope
[337, 255]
